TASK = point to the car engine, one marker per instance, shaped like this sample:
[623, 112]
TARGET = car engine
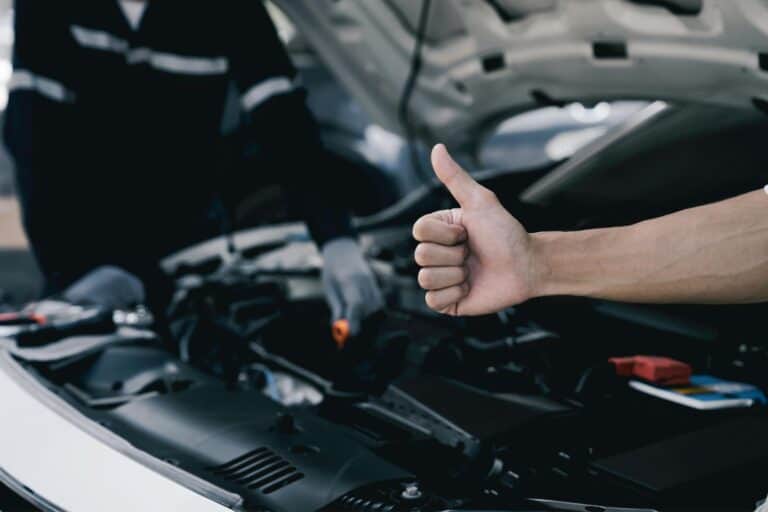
[247, 389]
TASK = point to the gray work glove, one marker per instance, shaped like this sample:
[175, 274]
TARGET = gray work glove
[349, 284]
[108, 287]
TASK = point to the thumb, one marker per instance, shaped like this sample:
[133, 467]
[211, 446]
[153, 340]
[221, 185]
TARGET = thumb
[459, 183]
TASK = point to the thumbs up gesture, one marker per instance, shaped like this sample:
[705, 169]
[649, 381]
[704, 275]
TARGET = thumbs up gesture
[476, 259]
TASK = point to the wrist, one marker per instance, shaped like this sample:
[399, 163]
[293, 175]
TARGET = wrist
[542, 281]
[588, 263]
[563, 262]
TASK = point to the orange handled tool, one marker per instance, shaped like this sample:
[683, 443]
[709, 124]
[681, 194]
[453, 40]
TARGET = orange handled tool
[340, 332]
[21, 319]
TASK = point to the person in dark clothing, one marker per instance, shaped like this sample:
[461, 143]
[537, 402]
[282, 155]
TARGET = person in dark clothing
[114, 122]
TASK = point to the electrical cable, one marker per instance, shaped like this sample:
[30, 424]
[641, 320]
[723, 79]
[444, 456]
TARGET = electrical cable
[410, 83]
[226, 224]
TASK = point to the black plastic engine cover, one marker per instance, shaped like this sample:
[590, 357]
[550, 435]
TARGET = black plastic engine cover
[276, 459]
[713, 468]
[459, 415]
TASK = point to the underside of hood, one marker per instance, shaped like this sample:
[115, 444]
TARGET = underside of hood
[482, 59]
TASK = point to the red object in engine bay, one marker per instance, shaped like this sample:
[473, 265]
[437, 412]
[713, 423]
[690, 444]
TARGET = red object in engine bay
[659, 370]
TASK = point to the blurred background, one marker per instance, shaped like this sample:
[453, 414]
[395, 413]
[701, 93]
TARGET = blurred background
[375, 162]
[19, 279]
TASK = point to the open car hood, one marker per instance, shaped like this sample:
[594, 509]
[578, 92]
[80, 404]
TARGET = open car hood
[486, 58]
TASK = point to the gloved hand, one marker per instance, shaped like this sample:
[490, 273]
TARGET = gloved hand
[108, 287]
[349, 283]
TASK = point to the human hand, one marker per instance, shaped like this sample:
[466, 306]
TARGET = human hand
[476, 259]
[350, 286]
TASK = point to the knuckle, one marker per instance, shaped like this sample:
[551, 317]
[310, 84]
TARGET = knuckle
[424, 278]
[420, 254]
[416, 231]
[429, 299]
[420, 228]
[423, 227]
[486, 195]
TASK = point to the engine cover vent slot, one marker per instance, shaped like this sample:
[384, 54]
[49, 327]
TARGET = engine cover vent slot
[609, 50]
[260, 469]
[493, 63]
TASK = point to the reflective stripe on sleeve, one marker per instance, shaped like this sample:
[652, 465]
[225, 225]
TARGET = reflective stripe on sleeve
[188, 65]
[162, 61]
[98, 40]
[23, 80]
[265, 90]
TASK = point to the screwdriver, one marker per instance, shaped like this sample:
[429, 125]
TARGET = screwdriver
[17, 318]
[97, 322]
[340, 332]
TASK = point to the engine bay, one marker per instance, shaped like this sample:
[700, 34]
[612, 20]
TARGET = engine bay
[246, 388]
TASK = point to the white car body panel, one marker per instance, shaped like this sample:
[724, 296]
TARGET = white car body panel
[712, 57]
[70, 468]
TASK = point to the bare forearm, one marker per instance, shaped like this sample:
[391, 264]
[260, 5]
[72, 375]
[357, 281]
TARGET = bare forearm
[478, 259]
[709, 254]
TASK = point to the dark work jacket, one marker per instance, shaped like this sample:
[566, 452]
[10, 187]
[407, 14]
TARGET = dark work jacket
[116, 132]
